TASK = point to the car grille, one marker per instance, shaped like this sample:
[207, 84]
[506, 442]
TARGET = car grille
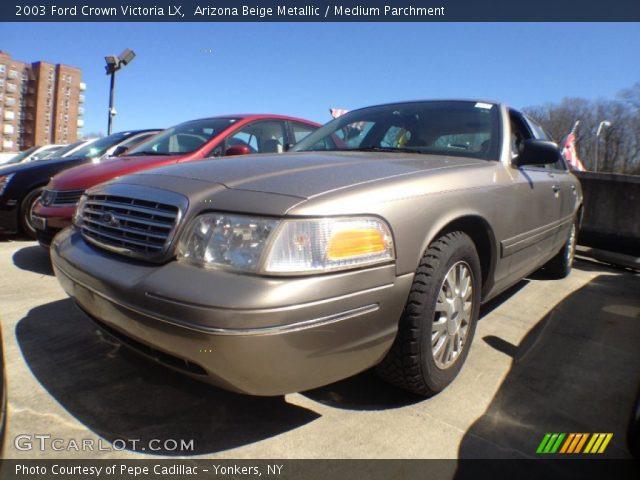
[131, 226]
[62, 197]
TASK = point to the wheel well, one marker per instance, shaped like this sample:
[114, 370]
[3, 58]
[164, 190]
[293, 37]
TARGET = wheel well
[28, 192]
[482, 236]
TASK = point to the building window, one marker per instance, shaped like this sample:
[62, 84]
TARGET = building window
[3, 68]
[13, 73]
[1, 82]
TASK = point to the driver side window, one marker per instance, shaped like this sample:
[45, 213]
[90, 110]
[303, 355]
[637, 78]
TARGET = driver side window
[519, 133]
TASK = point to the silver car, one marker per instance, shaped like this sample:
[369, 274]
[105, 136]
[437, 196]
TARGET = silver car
[373, 243]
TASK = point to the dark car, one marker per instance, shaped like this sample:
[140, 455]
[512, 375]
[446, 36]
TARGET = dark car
[194, 140]
[3, 396]
[22, 184]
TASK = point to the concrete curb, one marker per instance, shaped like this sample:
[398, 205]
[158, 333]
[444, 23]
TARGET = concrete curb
[614, 258]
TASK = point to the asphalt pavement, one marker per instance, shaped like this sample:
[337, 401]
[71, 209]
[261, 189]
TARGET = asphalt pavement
[548, 356]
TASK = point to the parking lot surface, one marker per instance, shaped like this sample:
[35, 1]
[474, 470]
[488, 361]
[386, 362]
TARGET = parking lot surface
[548, 356]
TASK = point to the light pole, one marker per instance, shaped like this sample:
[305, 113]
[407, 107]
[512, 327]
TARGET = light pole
[604, 124]
[113, 65]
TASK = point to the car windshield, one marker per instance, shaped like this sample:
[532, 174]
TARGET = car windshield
[21, 156]
[63, 151]
[48, 153]
[99, 147]
[183, 138]
[457, 128]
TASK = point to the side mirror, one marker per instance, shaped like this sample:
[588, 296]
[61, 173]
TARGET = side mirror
[537, 152]
[119, 151]
[237, 150]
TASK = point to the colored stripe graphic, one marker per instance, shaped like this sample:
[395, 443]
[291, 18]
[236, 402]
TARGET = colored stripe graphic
[543, 443]
[598, 442]
[550, 443]
[567, 443]
[606, 442]
[582, 442]
[555, 443]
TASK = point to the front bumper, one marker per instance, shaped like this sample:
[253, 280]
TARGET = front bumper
[56, 218]
[250, 334]
[8, 216]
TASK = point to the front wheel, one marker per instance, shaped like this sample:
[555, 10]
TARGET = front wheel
[26, 212]
[439, 319]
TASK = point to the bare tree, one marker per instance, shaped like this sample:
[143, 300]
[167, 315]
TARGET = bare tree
[619, 149]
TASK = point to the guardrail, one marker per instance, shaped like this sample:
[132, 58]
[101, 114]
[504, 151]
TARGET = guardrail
[611, 218]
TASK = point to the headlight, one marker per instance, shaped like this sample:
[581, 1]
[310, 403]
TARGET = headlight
[285, 247]
[79, 211]
[4, 181]
[328, 244]
[47, 198]
[219, 241]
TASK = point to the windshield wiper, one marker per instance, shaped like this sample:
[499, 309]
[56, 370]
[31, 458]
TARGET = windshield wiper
[384, 149]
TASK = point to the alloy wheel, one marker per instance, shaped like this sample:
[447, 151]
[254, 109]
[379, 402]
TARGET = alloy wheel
[454, 307]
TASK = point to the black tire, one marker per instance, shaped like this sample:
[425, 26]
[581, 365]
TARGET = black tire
[560, 265]
[28, 202]
[410, 363]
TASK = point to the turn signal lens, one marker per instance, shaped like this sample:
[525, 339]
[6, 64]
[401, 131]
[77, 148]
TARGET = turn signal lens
[355, 242]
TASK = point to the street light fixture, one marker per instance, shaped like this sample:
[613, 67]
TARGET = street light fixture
[113, 65]
[604, 124]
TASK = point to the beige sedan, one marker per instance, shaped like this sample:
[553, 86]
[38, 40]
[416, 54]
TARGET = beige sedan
[373, 243]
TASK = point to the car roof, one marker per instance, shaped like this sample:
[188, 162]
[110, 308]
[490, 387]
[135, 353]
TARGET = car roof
[256, 116]
[432, 100]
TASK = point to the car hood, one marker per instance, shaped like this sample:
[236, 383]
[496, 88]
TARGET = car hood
[88, 175]
[38, 164]
[308, 174]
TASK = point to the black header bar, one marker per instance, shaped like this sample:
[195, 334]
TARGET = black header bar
[319, 11]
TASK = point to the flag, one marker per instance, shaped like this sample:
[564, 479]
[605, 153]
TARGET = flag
[569, 151]
[337, 112]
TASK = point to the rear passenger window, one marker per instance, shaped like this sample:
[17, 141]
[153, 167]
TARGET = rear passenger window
[300, 131]
[266, 136]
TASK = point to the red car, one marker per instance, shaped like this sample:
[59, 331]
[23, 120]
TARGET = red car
[193, 140]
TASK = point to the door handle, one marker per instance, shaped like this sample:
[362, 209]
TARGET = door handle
[555, 188]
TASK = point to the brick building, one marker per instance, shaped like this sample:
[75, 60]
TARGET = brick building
[40, 103]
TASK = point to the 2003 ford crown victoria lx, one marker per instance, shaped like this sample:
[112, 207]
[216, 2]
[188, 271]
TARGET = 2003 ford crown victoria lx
[374, 243]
